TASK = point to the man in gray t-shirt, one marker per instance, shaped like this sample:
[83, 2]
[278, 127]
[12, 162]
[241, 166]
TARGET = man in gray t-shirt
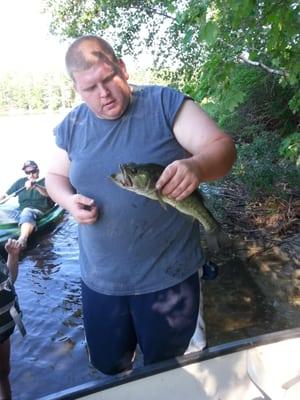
[139, 262]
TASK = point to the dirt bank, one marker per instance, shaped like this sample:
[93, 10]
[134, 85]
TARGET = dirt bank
[266, 237]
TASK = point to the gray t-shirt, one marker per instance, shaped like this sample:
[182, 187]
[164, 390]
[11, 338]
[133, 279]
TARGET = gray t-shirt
[136, 246]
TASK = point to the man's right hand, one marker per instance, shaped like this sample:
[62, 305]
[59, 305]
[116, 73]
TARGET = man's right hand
[83, 209]
[29, 184]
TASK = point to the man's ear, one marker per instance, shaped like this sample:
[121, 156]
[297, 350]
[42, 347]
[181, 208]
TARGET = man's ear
[123, 68]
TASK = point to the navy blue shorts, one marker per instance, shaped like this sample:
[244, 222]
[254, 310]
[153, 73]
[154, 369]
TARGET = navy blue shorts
[162, 323]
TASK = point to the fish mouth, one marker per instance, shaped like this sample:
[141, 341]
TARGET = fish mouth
[122, 178]
[127, 181]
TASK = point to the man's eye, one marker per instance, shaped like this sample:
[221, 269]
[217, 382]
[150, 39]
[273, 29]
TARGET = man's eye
[89, 89]
[109, 78]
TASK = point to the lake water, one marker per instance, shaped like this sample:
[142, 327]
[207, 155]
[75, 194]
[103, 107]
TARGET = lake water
[53, 355]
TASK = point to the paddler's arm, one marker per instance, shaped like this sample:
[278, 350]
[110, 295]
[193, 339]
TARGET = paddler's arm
[31, 184]
[59, 188]
[41, 189]
[3, 196]
[212, 153]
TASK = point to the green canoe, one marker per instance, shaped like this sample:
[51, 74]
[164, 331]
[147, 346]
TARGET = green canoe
[10, 228]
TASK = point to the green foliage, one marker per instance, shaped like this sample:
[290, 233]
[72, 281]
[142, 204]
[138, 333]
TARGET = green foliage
[290, 148]
[205, 40]
[49, 91]
[260, 168]
[239, 59]
[259, 102]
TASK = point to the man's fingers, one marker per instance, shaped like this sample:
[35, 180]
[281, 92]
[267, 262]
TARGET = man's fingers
[12, 244]
[182, 194]
[86, 210]
[87, 217]
[168, 173]
[84, 200]
[179, 179]
[173, 181]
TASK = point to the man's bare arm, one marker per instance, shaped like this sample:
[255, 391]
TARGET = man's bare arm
[212, 153]
[59, 188]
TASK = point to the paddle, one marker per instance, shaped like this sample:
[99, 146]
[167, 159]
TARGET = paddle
[16, 193]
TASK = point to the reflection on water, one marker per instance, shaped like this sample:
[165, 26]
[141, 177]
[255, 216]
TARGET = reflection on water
[8, 213]
[234, 306]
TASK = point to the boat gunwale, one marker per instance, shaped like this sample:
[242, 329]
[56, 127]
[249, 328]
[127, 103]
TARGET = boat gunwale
[40, 221]
[89, 388]
[12, 229]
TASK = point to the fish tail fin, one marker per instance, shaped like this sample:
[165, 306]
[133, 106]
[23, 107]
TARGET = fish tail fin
[217, 240]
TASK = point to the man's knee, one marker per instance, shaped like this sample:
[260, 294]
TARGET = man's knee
[112, 367]
[26, 211]
[28, 216]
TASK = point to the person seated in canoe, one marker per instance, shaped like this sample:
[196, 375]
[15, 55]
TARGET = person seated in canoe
[33, 200]
[10, 314]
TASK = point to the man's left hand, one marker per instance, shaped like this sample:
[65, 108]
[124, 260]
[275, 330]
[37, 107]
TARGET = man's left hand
[179, 179]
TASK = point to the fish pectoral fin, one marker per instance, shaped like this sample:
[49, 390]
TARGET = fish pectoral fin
[160, 199]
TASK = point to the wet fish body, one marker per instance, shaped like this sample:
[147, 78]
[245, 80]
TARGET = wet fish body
[141, 179]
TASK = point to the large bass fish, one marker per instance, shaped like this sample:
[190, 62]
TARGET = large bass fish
[141, 179]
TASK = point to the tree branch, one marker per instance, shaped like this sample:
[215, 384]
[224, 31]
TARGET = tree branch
[153, 10]
[262, 65]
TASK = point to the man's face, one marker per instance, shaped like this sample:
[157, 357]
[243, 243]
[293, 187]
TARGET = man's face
[32, 172]
[104, 88]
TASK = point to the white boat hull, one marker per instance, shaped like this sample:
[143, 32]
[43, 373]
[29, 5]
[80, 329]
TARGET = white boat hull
[260, 368]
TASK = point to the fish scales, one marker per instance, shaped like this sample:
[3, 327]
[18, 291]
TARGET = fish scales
[141, 179]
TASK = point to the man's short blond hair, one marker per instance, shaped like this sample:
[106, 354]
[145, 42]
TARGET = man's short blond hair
[86, 51]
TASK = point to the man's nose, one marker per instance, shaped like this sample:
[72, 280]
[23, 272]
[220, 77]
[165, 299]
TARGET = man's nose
[103, 90]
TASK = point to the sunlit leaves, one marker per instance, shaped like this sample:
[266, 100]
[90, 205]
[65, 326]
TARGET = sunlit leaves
[290, 147]
[27, 92]
[209, 33]
[194, 35]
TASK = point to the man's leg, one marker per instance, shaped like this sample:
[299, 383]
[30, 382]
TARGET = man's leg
[165, 321]
[109, 331]
[27, 221]
[26, 230]
[5, 391]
